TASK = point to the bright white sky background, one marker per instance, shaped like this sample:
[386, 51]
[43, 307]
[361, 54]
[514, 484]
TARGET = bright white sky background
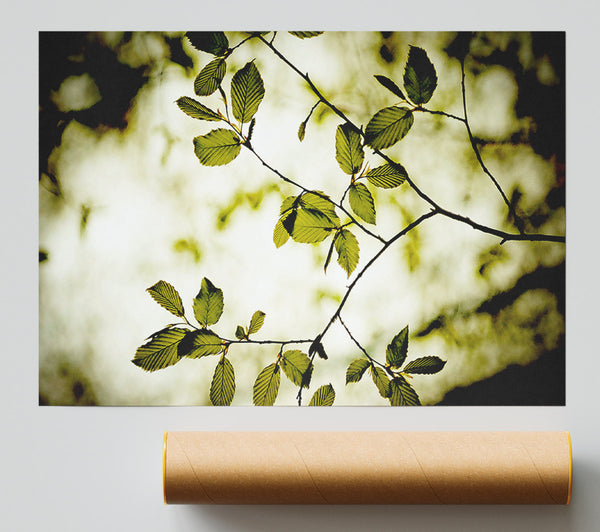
[146, 191]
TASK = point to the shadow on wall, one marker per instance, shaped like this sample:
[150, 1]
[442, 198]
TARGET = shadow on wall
[361, 518]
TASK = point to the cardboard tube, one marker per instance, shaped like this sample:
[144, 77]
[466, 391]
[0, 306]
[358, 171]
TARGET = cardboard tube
[367, 467]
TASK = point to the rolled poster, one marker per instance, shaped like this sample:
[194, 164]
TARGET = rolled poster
[367, 468]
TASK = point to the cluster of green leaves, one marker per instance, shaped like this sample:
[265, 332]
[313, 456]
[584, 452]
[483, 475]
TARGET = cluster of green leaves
[310, 217]
[256, 322]
[385, 128]
[222, 145]
[350, 155]
[391, 124]
[298, 368]
[175, 341]
[391, 379]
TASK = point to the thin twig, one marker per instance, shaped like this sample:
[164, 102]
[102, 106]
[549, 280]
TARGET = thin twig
[345, 192]
[188, 322]
[242, 42]
[305, 78]
[312, 110]
[518, 222]
[442, 113]
[279, 342]
[358, 344]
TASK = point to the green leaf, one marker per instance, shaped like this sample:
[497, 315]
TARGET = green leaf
[200, 343]
[388, 126]
[387, 176]
[391, 86]
[266, 386]
[208, 304]
[210, 77]
[295, 365]
[311, 226]
[307, 377]
[381, 380]
[396, 351]
[222, 387]
[196, 110]
[347, 248]
[425, 365]
[220, 146]
[240, 334]
[256, 322]
[160, 351]
[186, 344]
[289, 221]
[318, 201]
[323, 396]
[167, 297]
[317, 347]
[356, 370]
[316, 223]
[305, 34]
[402, 393]
[301, 131]
[280, 234]
[213, 42]
[348, 149]
[155, 334]
[247, 91]
[420, 79]
[287, 204]
[362, 202]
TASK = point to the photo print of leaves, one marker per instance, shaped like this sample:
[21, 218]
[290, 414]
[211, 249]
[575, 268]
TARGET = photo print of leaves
[318, 218]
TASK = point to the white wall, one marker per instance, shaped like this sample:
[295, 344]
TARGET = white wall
[98, 469]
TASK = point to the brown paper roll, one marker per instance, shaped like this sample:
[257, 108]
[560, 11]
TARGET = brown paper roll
[367, 467]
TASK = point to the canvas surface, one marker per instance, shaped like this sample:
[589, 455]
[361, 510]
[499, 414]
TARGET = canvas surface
[296, 218]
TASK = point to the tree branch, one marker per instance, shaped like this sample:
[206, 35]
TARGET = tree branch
[444, 212]
[336, 314]
[387, 244]
[435, 208]
[504, 236]
[265, 342]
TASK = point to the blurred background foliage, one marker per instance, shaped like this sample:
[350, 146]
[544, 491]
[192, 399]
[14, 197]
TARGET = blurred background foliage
[123, 203]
